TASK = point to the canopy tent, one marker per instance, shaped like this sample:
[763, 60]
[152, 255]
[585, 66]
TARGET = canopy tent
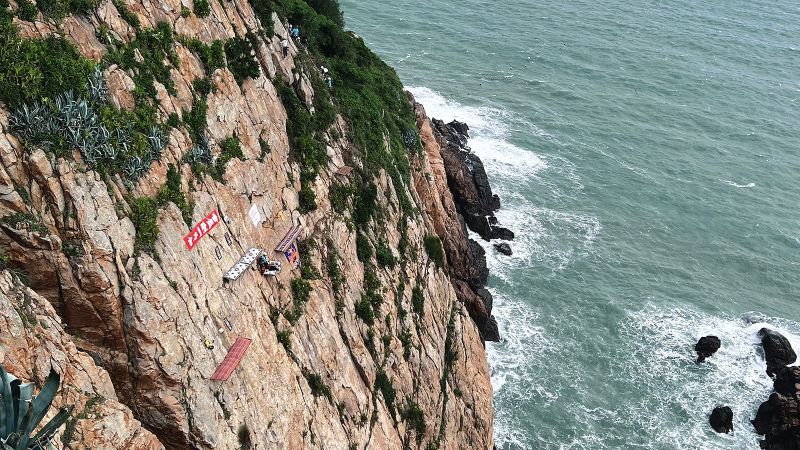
[242, 265]
[232, 359]
[290, 237]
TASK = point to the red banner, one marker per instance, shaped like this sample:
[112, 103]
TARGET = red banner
[201, 229]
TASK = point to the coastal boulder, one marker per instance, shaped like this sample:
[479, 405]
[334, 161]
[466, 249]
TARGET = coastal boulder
[706, 346]
[777, 350]
[787, 381]
[504, 248]
[721, 419]
[778, 419]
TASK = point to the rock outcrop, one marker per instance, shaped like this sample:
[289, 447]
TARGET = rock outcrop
[778, 418]
[466, 258]
[721, 419]
[468, 181]
[778, 351]
[706, 346]
[126, 326]
[504, 248]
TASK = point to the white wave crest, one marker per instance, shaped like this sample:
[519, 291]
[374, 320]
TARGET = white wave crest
[737, 185]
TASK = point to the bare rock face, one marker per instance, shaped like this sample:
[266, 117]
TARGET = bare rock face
[777, 350]
[787, 381]
[33, 340]
[706, 346]
[131, 327]
[721, 419]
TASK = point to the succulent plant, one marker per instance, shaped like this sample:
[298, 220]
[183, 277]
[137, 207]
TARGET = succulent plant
[98, 89]
[21, 412]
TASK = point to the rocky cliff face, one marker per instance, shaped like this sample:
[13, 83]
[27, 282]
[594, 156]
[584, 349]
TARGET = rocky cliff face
[126, 327]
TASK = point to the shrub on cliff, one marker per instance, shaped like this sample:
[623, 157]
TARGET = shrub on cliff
[144, 215]
[241, 58]
[433, 246]
[202, 8]
[32, 69]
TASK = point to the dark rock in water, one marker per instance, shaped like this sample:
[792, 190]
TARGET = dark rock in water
[706, 346]
[787, 381]
[488, 300]
[467, 179]
[491, 332]
[504, 248]
[777, 350]
[721, 419]
[479, 270]
[778, 419]
[502, 233]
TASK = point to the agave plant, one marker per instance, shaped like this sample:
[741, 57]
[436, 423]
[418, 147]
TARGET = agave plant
[98, 90]
[156, 139]
[21, 412]
[410, 139]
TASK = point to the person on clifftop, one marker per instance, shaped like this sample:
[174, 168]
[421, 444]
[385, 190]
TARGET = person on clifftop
[296, 33]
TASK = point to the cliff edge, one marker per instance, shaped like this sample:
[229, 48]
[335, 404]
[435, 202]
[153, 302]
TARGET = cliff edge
[146, 147]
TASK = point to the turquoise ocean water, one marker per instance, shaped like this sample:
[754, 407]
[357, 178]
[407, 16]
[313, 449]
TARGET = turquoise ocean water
[648, 156]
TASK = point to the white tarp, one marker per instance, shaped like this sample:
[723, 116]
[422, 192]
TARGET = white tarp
[255, 215]
[242, 265]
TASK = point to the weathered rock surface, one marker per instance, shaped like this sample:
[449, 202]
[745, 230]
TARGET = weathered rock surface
[706, 346]
[777, 350]
[32, 340]
[721, 419]
[132, 325]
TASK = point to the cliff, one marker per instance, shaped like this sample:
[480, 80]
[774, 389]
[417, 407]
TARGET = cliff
[123, 125]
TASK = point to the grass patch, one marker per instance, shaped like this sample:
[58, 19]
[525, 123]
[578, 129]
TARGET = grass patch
[202, 8]
[144, 215]
[384, 385]
[318, 387]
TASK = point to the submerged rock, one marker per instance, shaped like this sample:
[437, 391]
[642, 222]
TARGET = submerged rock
[504, 248]
[721, 419]
[777, 350]
[706, 346]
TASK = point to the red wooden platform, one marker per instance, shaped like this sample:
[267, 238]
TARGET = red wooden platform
[231, 361]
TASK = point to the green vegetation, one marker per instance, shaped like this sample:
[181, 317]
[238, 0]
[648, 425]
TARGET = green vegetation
[231, 148]
[27, 10]
[145, 57]
[172, 192]
[384, 385]
[144, 215]
[241, 58]
[415, 419]
[417, 300]
[433, 247]
[212, 56]
[318, 387]
[202, 86]
[334, 272]
[185, 12]
[363, 248]
[34, 69]
[285, 338]
[384, 255]
[26, 221]
[23, 412]
[364, 311]
[202, 8]
[195, 120]
[127, 15]
[245, 442]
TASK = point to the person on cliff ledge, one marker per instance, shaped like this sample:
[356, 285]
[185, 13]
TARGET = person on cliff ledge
[329, 82]
[296, 33]
[285, 46]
